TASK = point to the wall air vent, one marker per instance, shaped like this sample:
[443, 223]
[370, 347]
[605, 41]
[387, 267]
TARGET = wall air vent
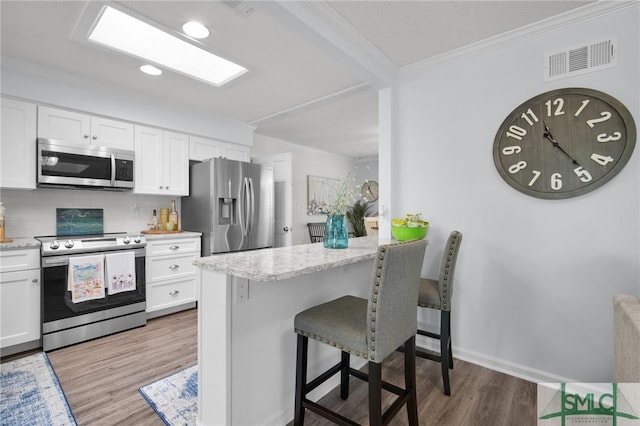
[581, 59]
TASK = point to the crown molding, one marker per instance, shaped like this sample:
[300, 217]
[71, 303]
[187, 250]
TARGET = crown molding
[566, 19]
[375, 67]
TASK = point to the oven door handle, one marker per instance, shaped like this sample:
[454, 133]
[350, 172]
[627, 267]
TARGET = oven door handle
[63, 260]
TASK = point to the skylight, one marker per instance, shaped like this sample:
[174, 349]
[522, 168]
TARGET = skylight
[124, 33]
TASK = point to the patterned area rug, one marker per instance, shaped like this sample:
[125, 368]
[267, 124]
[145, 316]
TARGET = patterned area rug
[175, 398]
[31, 394]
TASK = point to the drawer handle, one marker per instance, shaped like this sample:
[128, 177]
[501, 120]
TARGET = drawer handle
[174, 292]
[174, 266]
[174, 248]
[35, 280]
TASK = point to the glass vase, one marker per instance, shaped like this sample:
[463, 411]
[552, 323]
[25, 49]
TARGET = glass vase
[336, 235]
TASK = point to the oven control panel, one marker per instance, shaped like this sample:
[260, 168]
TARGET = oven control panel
[90, 244]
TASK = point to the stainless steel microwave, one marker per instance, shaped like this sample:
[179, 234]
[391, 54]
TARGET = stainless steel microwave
[90, 167]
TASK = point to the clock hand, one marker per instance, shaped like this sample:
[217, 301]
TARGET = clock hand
[547, 134]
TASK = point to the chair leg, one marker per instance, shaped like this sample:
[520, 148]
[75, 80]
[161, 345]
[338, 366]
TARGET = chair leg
[444, 349]
[344, 376]
[375, 394]
[410, 380]
[450, 340]
[301, 379]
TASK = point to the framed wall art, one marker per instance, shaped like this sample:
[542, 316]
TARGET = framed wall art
[321, 194]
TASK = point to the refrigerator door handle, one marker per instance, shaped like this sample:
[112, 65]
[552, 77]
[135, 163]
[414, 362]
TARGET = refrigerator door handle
[252, 207]
[246, 201]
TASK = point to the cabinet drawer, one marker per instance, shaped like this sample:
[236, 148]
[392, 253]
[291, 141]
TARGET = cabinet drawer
[170, 267]
[18, 260]
[175, 292]
[187, 245]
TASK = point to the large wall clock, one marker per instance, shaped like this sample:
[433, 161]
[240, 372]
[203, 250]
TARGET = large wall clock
[564, 143]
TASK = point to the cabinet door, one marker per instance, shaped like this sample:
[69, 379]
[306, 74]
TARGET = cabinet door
[202, 148]
[20, 309]
[112, 133]
[18, 145]
[149, 162]
[236, 152]
[176, 164]
[67, 126]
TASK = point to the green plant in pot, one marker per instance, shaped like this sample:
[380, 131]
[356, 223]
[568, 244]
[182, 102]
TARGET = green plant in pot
[356, 215]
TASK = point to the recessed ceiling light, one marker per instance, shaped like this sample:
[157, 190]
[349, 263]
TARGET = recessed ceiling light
[150, 69]
[195, 29]
[119, 31]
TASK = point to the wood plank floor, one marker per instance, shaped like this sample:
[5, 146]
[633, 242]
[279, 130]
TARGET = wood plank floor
[101, 380]
[101, 377]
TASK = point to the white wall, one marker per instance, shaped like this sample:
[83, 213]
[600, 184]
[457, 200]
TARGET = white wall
[306, 161]
[535, 278]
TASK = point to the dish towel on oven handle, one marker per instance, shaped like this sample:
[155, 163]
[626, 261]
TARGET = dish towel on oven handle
[120, 272]
[85, 278]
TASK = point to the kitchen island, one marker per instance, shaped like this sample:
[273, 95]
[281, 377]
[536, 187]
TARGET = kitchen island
[246, 341]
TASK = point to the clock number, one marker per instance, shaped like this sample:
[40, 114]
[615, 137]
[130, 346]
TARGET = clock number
[604, 116]
[584, 175]
[516, 132]
[556, 181]
[584, 104]
[601, 159]
[530, 116]
[536, 175]
[603, 137]
[559, 104]
[517, 167]
[510, 150]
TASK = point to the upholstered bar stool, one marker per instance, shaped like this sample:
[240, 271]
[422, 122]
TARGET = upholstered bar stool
[437, 294]
[370, 329]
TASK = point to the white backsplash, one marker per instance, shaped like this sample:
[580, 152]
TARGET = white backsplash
[33, 213]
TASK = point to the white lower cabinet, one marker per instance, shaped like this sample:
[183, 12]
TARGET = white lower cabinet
[171, 277]
[19, 300]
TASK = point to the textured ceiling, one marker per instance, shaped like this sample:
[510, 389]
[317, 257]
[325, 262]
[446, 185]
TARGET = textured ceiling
[301, 87]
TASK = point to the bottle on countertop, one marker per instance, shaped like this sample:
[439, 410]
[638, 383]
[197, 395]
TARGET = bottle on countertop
[153, 224]
[2, 213]
[164, 218]
[173, 215]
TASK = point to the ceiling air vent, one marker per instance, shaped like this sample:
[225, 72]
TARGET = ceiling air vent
[241, 7]
[581, 59]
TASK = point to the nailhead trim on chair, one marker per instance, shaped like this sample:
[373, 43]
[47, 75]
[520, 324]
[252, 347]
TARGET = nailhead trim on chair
[374, 302]
[330, 342]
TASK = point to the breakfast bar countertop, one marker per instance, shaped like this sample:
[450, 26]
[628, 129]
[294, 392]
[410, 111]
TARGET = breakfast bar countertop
[282, 263]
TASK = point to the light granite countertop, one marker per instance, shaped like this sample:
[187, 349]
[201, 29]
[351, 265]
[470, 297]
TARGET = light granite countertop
[172, 236]
[20, 244]
[282, 263]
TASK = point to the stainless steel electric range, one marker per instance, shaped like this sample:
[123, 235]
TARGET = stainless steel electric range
[67, 320]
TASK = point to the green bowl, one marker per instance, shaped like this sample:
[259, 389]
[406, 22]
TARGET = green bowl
[405, 233]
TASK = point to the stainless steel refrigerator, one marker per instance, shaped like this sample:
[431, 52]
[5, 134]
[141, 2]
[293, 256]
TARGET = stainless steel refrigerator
[231, 203]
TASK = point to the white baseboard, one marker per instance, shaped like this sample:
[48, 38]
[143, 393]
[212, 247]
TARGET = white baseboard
[497, 364]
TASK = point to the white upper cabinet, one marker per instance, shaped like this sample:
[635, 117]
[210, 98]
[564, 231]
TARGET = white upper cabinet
[82, 129]
[204, 148]
[18, 144]
[237, 152]
[162, 162]
[112, 133]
